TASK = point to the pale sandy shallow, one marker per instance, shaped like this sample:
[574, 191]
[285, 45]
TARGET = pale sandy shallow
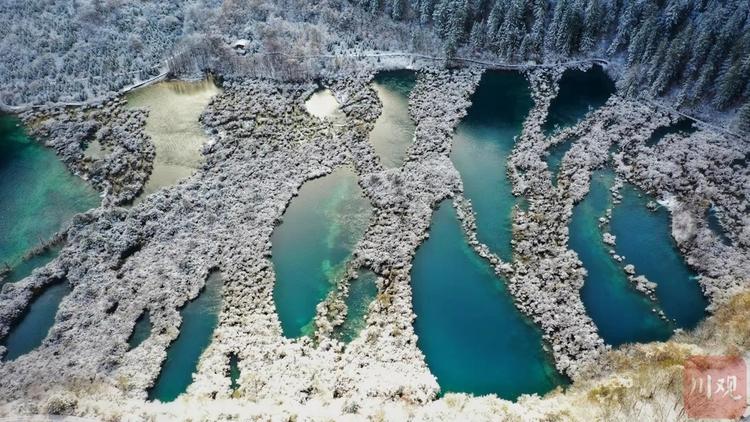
[323, 104]
[174, 108]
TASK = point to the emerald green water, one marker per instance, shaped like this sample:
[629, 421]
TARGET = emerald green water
[28, 265]
[644, 238]
[362, 291]
[141, 331]
[38, 195]
[483, 141]
[393, 132]
[32, 328]
[311, 246]
[473, 337]
[683, 126]
[622, 314]
[199, 319]
[580, 92]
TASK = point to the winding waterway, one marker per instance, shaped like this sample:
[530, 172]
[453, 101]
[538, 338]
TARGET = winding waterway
[473, 337]
[199, 319]
[311, 246]
[174, 108]
[621, 314]
[481, 145]
[29, 332]
[393, 132]
[644, 238]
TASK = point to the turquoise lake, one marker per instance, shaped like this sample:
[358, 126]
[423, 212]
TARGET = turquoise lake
[393, 132]
[644, 238]
[483, 141]
[580, 92]
[199, 319]
[622, 314]
[38, 195]
[473, 337]
[310, 247]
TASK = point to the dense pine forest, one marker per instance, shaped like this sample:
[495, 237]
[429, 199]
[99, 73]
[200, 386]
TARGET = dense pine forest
[694, 53]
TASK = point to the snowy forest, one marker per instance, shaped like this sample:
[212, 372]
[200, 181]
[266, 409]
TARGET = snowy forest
[693, 53]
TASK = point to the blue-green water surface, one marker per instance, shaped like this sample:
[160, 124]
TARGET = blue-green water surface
[38, 195]
[141, 331]
[621, 314]
[362, 291]
[199, 319]
[32, 328]
[683, 126]
[580, 92]
[483, 141]
[473, 337]
[309, 249]
[644, 238]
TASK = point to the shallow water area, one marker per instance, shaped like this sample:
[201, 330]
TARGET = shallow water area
[473, 337]
[141, 331]
[555, 158]
[174, 109]
[38, 195]
[683, 127]
[199, 319]
[644, 238]
[580, 92]
[481, 145]
[393, 132]
[621, 314]
[29, 332]
[362, 291]
[323, 105]
[310, 247]
[29, 264]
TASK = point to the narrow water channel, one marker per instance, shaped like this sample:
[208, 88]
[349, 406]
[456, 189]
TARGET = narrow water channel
[580, 92]
[473, 337]
[683, 126]
[483, 141]
[38, 196]
[30, 331]
[323, 105]
[199, 319]
[393, 132]
[622, 314]
[312, 244]
[555, 158]
[644, 238]
[362, 291]
[174, 108]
